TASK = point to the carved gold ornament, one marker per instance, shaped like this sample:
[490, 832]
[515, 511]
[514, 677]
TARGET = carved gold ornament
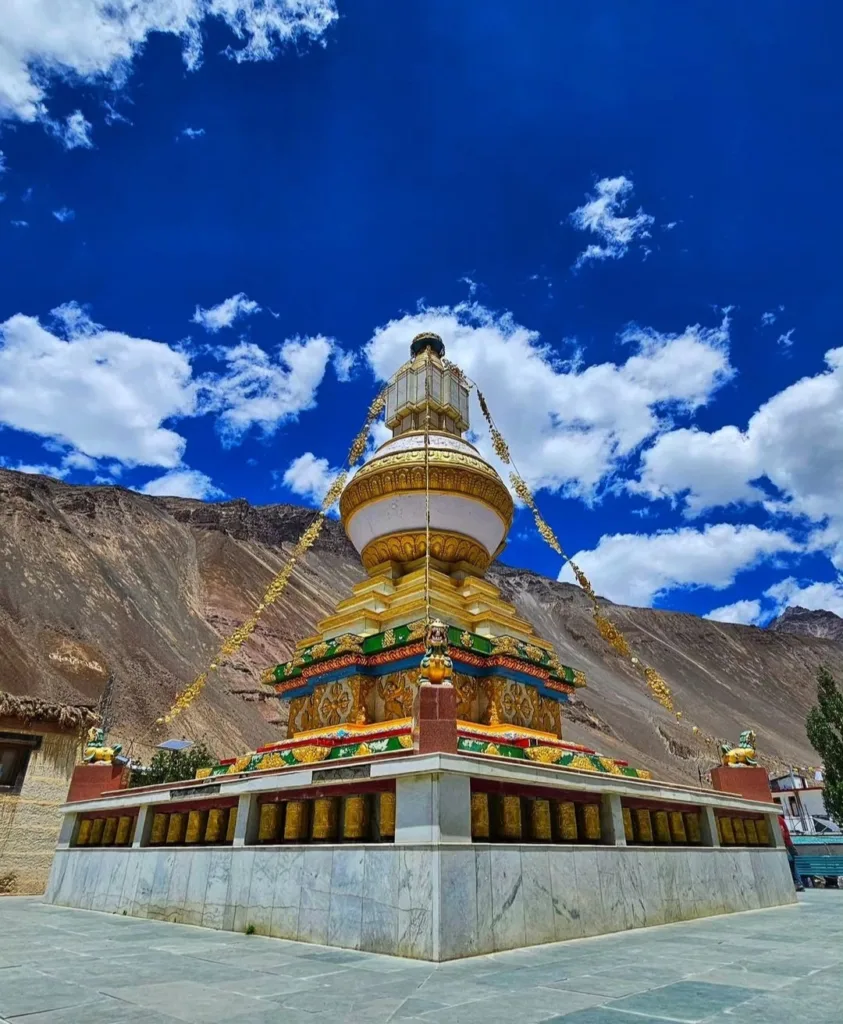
[410, 546]
[309, 754]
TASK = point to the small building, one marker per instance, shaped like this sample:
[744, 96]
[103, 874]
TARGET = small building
[801, 800]
[40, 745]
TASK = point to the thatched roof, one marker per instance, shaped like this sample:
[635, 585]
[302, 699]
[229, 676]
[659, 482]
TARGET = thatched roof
[33, 709]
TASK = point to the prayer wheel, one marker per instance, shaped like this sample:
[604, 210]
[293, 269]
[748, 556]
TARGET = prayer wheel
[566, 821]
[751, 833]
[124, 831]
[158, 832]
[540, 820]
[677, 827]
[762, 831]
[661, 826]
[109, 832]
[196, 824]
[215, 826]
[628, 832]
[740, 831]
[386, 814]
[231, 827]
[510, 817]
[727, 833]
[176, 828]
[591, 829]
[323, 827]
[295, 821]
[354, 818]
[269, 824]
[96, 832]
[643, 826]
[83, 836]
[692, 826]
[479, 815]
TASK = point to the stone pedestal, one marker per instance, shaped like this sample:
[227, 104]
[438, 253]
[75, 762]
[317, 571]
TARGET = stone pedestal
[435, 719]
[91, 780]
[750, 783]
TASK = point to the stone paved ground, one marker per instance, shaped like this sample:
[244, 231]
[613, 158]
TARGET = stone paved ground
[61, 966]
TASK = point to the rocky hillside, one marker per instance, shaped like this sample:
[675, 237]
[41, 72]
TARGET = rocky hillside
[803, 622]
[101, 582]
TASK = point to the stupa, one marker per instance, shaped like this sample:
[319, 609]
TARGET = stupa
[352, 686]
[425, 803]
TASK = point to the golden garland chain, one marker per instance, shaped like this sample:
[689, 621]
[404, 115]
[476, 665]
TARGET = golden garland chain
[277, 585]
[607, 629]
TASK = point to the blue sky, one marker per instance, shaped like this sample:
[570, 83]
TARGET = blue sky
[223, 222]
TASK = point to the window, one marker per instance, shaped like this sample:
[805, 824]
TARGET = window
[14, 758]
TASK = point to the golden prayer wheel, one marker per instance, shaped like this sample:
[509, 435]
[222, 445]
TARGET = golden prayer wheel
[176, 827]
[510, 817]
[661, 827]
[124, 831]
[196, 822]
[323, 827]
[83, 836]
[692, 826]
[269, 824]
[158, 832]
[540, 820]
[231, 827]
[677, 827]
[479, 815]
[727, 833]
[566, 821]
[109, 832]
[591, 829]
[762, 831]
[354, 818]
[386, 814]
[96, 832]
[751, 833]
[215, 826]
[643, 825]
[740, 831]
[628, 833]
[295, 821]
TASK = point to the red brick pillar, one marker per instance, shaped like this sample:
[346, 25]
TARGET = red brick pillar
[435, 719]
[750, 783]
[90, 780]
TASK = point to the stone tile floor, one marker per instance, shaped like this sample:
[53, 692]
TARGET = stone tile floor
[60, 966]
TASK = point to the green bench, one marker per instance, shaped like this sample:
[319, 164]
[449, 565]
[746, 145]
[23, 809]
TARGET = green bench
[819, 867]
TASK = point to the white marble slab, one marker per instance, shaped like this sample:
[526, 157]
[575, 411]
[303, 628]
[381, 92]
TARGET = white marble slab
[508, 925]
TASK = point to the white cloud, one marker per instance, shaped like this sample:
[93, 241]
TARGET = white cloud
[786, 339]
[20, 223]
[183, 483]
[77, 460]
[601, 214]
[223, 315]
[192, 133]
[813, 596]
[794, 440]
[746, 613]
[310, 477]
[32, 469]
[73, 133]
[344, 363]
[2, 162]
[257, 390]
[93, 41]
[581, 422]
[634, 568]
[768, 318]
[64, 214]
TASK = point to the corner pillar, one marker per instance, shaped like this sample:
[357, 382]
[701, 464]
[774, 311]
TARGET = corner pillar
[775, 831]
[143, 827]
[708, 827]
[433, 808]
[611, 820]
[248, 817]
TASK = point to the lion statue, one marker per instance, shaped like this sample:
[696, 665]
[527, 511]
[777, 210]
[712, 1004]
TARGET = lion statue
[96, 752]
[436, 665]
[742, 755]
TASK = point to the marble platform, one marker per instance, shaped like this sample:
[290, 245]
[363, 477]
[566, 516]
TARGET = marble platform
[432, 894]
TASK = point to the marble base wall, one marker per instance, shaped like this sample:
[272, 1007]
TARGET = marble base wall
[428, 902]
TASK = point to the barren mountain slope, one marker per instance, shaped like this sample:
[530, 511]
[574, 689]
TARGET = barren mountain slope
[100, 580]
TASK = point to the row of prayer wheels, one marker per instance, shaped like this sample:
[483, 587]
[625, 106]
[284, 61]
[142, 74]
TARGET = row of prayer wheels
[112, 831]
[743, 831]
[180, 828]
[356, 818]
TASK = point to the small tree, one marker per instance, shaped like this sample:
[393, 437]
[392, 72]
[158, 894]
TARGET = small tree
[174, 765]
[825, 731]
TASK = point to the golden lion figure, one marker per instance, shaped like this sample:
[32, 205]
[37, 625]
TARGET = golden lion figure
[741, 756]
[96, 752]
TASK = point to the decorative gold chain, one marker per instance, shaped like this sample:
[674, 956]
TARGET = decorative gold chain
[427, 490]
[278, 584]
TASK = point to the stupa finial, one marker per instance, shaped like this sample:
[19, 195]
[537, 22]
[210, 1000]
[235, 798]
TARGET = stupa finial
[427, 339]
